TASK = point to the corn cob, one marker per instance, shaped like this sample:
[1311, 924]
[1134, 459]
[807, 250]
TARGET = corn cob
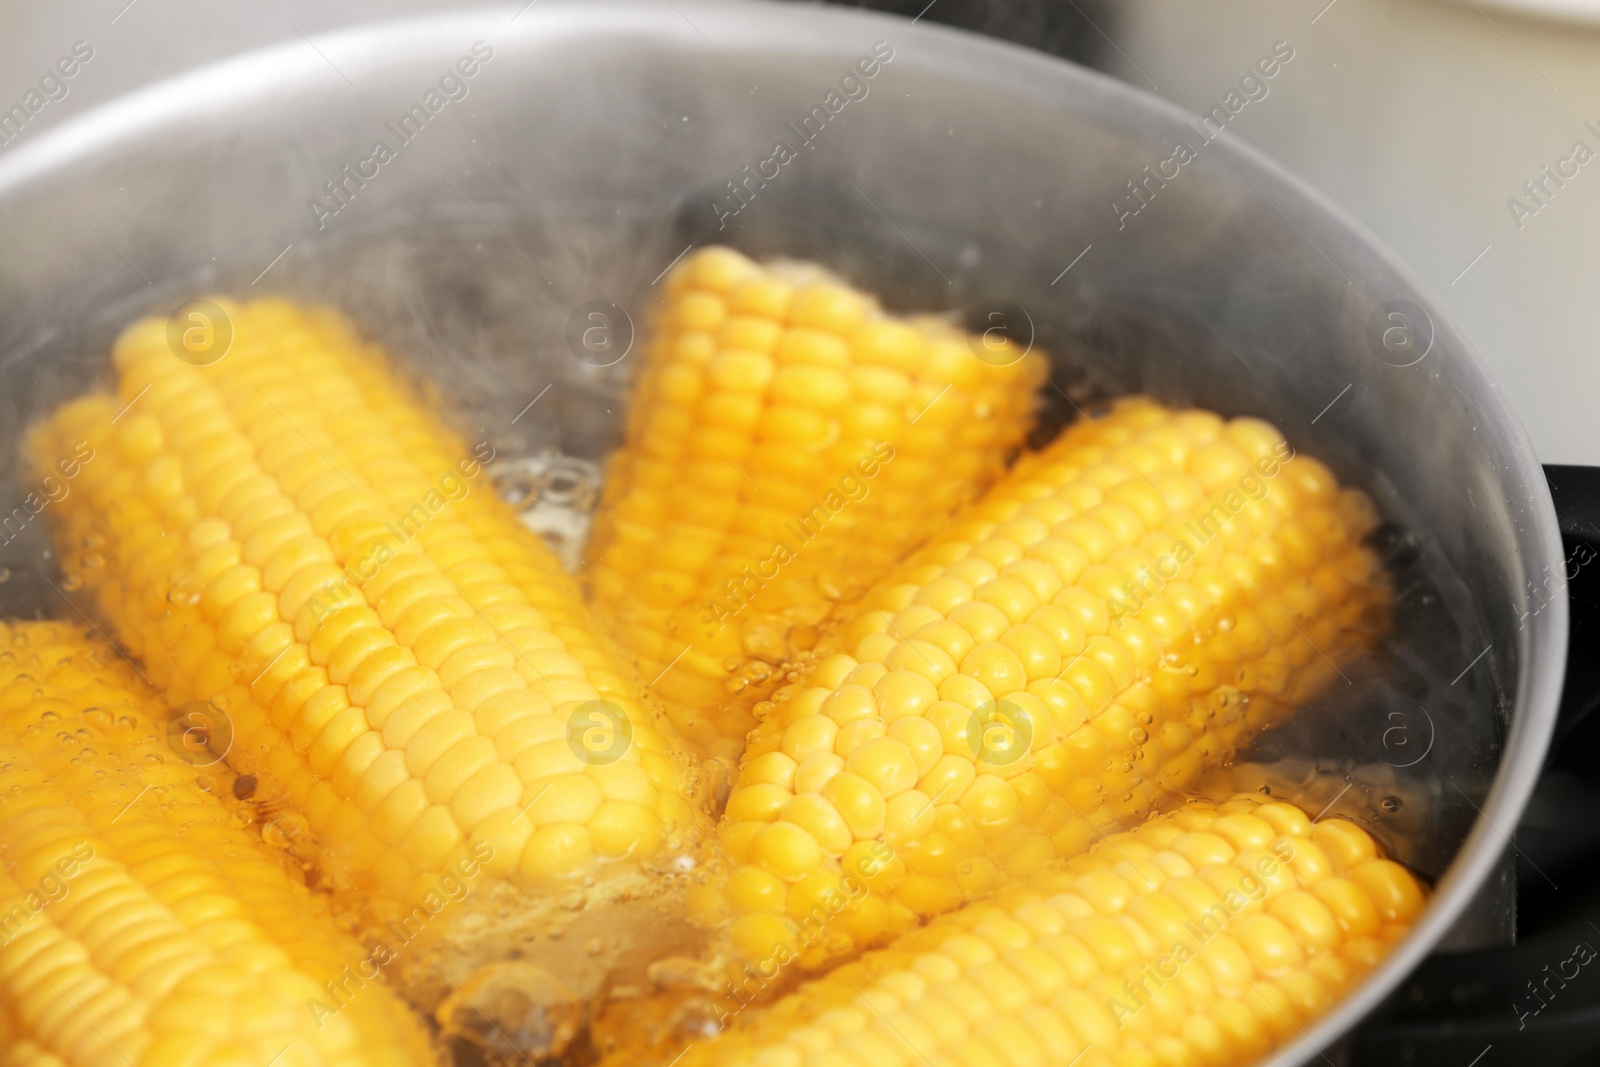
[786, 441]
[287, 535]
[144, 921]
[1113, 617]
[1207, 936]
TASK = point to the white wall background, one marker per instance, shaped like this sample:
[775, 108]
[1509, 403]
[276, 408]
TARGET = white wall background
[1422, 118]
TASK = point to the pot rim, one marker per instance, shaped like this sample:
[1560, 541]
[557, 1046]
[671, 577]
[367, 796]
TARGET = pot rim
[290, 68]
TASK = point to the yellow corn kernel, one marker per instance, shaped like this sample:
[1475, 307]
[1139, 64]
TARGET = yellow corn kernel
[146, 919]
[402, 664]
[1104, 960]
[1113, 618]
[822, 441]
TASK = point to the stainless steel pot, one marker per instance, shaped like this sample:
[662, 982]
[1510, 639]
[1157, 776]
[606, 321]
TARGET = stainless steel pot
[537, 161]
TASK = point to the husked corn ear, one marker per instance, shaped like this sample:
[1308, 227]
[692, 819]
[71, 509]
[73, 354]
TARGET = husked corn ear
[1208, 936]
[786, 440]
[1113, 617]
[145, 922]
[287, 535]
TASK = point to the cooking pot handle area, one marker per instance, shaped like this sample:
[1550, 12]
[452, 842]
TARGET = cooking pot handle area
[1535, 1000]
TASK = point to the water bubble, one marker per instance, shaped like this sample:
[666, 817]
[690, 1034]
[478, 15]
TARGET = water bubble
[5, 574]
[71, 582]
[184, 593]
[1139, 737]
[575, 900]
[205, 783]
[1390, 804]
[94, 561]
[282, 832]
[699, 1019]
[764, 638]
[594, 947]
[99, 718]
[1265, 790]
[49, 717]
[517, 486]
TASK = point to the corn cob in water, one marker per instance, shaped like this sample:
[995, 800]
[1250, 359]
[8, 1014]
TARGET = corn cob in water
[1120, 612]
[1206, 937]
[285, 540]
[787, 441]
[145, 923]
[288, 537]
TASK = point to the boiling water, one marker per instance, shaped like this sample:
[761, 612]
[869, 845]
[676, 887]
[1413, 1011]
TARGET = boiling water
[1404, 743]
